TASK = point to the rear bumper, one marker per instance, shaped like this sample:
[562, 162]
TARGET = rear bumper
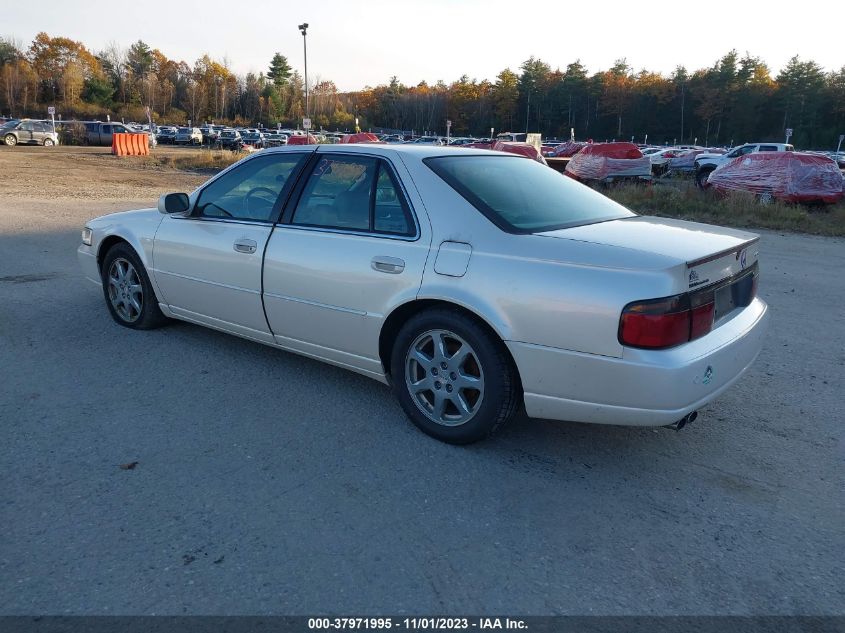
[644, 387]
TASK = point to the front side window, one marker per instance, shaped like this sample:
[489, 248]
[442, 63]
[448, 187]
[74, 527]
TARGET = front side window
[356, 193]
[27, 126]
[250, 191]
[522, 196]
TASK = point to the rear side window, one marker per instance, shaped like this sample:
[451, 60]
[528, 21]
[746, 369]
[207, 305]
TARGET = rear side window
[523, 196]
[768, 148]
[357, 193]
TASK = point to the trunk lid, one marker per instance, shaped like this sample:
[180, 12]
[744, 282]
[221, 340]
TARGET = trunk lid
[709, 253]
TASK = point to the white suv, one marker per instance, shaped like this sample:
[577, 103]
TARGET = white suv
[188, 136]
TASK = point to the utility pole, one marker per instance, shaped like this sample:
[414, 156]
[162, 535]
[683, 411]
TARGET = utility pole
[304, 28]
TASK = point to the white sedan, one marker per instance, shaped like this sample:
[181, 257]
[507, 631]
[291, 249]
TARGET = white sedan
[472, 282]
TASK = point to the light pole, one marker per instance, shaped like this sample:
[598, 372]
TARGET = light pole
[304, 28]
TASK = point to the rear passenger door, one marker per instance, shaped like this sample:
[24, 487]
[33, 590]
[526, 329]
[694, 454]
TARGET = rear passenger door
[350, 248]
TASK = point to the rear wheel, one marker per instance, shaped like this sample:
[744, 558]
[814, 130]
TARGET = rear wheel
[453, 379]
[129, 294]
[11, 140]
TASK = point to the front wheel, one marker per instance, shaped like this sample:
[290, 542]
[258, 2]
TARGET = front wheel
[11, 140]
[129, 294]
[454, 380]
[48, 142]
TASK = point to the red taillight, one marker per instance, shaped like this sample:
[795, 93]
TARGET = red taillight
[667, 322]
[654, 330]
[701, 320]
[657, 323]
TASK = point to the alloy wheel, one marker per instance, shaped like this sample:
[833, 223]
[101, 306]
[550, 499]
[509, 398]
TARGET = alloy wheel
[126, 292]
[444, 377]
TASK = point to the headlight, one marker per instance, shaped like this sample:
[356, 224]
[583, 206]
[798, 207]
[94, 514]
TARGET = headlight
[87, 234]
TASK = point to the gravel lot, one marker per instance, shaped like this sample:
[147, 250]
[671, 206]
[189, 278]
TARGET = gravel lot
[268, 483]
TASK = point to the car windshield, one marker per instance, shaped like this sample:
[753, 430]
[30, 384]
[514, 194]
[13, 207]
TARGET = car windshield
[184, 130]
[524, 196]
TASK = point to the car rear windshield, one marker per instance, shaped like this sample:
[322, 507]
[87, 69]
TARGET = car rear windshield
[523, 196]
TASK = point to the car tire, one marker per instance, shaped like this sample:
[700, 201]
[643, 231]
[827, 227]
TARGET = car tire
[129, 294]
[48, 142]
[460, 392]
[701, 177]
[11, 140]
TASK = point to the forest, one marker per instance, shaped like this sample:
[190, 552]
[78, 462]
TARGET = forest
[735, 100]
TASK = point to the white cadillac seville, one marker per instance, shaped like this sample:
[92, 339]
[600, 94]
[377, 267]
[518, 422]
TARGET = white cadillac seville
[472, 282]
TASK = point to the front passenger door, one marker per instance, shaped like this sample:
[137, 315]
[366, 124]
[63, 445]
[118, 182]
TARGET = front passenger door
[208, 264]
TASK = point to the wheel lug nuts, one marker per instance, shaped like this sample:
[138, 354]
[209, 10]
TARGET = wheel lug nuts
[434, 371]
[453, 376]
[437, 385]
[449, 388]
[444, 365]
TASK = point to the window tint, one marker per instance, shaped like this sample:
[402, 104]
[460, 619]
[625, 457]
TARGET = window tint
[391, 214]
[249, 191]
[354, 193]
[521, 195]
[27, 126]
[119, 129]
[768, 148]
[338, 193]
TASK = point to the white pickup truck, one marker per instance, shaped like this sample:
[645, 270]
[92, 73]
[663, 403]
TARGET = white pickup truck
[706, 162]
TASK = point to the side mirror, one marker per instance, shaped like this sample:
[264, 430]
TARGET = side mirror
[173, 203]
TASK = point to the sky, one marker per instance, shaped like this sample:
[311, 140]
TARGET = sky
[365, 42]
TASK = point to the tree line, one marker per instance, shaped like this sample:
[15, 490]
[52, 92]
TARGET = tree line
[735, 100]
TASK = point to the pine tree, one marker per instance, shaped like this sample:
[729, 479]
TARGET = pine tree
[280, 70]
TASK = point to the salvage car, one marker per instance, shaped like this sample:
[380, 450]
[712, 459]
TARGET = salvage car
[608, 163]
[473, 282]
[794, 177]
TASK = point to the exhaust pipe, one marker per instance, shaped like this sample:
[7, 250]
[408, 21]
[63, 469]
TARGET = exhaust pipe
[689, 417]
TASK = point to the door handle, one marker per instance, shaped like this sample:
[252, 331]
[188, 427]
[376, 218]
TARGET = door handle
[245, 246]
[391, 265]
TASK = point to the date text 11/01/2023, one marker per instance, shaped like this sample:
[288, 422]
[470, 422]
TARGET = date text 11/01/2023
[418, 623]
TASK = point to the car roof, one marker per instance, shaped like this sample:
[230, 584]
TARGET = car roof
[418, 152]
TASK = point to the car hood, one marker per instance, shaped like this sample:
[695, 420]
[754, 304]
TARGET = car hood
[677, 239]
[122, 217]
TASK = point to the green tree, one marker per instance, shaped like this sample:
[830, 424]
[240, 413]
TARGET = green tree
[280, 70]
[139, 58]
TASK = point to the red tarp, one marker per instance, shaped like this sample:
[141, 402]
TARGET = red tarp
[787, 176]
[360, 137]
[599, 161]
[522, 149]
[566, 150]
[301, 139]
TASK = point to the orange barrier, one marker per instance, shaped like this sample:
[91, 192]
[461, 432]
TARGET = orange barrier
[130, 145]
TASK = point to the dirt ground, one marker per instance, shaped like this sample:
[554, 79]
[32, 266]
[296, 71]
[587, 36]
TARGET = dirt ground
[270, 483]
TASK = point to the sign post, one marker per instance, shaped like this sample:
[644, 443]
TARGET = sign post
[448, 130]
[306, 124]
[788, 134]
[491, 132]
[51, 110]
[841, 138]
